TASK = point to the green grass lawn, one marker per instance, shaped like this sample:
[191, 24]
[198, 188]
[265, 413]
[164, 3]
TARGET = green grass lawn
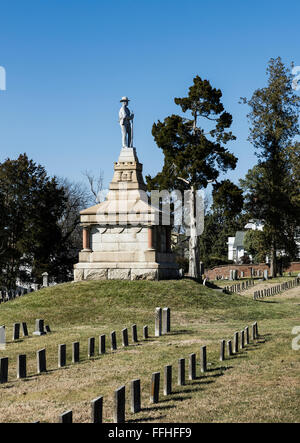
[259, 384]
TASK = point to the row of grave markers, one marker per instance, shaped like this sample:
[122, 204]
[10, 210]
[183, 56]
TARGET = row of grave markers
[239, 287]
[119, 415]
[62, 353]
[162, 326]
[10, 294]
[234, 274]
[18, 327]
[276, 289]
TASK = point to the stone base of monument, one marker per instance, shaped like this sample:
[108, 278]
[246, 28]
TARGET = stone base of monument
[123, 237]
[128, 271]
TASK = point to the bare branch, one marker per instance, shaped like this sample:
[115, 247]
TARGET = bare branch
[95, 184]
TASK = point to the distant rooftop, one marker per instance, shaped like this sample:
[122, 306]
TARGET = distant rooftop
[239, 239]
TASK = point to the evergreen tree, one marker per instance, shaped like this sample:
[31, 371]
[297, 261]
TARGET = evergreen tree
[31, 205]
[256, 244]
[193, 154]
[274, 126]
[224, 218]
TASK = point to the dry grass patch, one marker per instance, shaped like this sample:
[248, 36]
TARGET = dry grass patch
[261, 383]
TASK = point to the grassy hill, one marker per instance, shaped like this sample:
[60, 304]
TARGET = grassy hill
[261, 383]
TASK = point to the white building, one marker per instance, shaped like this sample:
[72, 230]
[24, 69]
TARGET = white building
[236, 248]
[235, 244]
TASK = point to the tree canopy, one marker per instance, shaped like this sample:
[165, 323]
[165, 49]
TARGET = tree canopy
[271, 186]
[197, 154]
[31, 206]
[193, 154]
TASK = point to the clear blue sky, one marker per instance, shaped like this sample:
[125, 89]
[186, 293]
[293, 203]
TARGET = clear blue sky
[68, 63]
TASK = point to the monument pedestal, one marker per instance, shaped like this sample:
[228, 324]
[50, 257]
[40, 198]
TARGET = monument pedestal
[122, 237]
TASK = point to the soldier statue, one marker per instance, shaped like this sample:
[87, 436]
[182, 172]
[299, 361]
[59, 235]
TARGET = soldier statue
[126, 122]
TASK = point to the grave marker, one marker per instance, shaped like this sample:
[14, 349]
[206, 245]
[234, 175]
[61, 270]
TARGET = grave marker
[21, 366]
[45, 276]
[145, 332]
[91, 347]
[247, 335]
[39, 327]
[66, 417]
[41, 361]
[229, 347]
[134, 334]
[16, 331]
[113, 341]
[3, 369]
[236, 342]
[102, 344]
[119, 405]
[154, 391]
[24, 329]
[158, 321]
[97, 410]
[166, 320]
[75, 352]
[242, 339]
[62, 355]
[181, 372]
[2, 337]
[168, 380]
[203, 359]
[222, 350]
[135, 395]
[125, 337]
[192, 367]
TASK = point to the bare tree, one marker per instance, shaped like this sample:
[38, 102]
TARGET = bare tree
[95, 184]
[77, 198]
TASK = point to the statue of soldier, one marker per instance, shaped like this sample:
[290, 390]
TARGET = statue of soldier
[126, 118]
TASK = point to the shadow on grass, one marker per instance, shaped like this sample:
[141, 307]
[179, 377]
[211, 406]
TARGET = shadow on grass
[261, 340]
[138, 420]
[7, 385]
[17, 340]
[179, 332]
[219, 368]
[208, 284]
[250, 349]
[189, 391]
[158, 408]
[179, 398]
[178, 395]
[196, 280]
[151, 409]
[237, 356]
[267, 301]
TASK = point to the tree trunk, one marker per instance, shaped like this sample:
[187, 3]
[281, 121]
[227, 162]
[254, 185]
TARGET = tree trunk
[273, 262]
[194, 270]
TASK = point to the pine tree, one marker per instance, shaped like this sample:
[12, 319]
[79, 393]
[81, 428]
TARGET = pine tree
[194, 155]
[273, 127]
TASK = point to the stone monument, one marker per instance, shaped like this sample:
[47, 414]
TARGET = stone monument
[123, 237]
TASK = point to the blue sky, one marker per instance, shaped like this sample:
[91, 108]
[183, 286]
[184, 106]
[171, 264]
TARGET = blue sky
[68, 63]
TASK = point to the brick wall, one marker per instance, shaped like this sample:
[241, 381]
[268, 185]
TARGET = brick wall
[258, 270]
[294, 267]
